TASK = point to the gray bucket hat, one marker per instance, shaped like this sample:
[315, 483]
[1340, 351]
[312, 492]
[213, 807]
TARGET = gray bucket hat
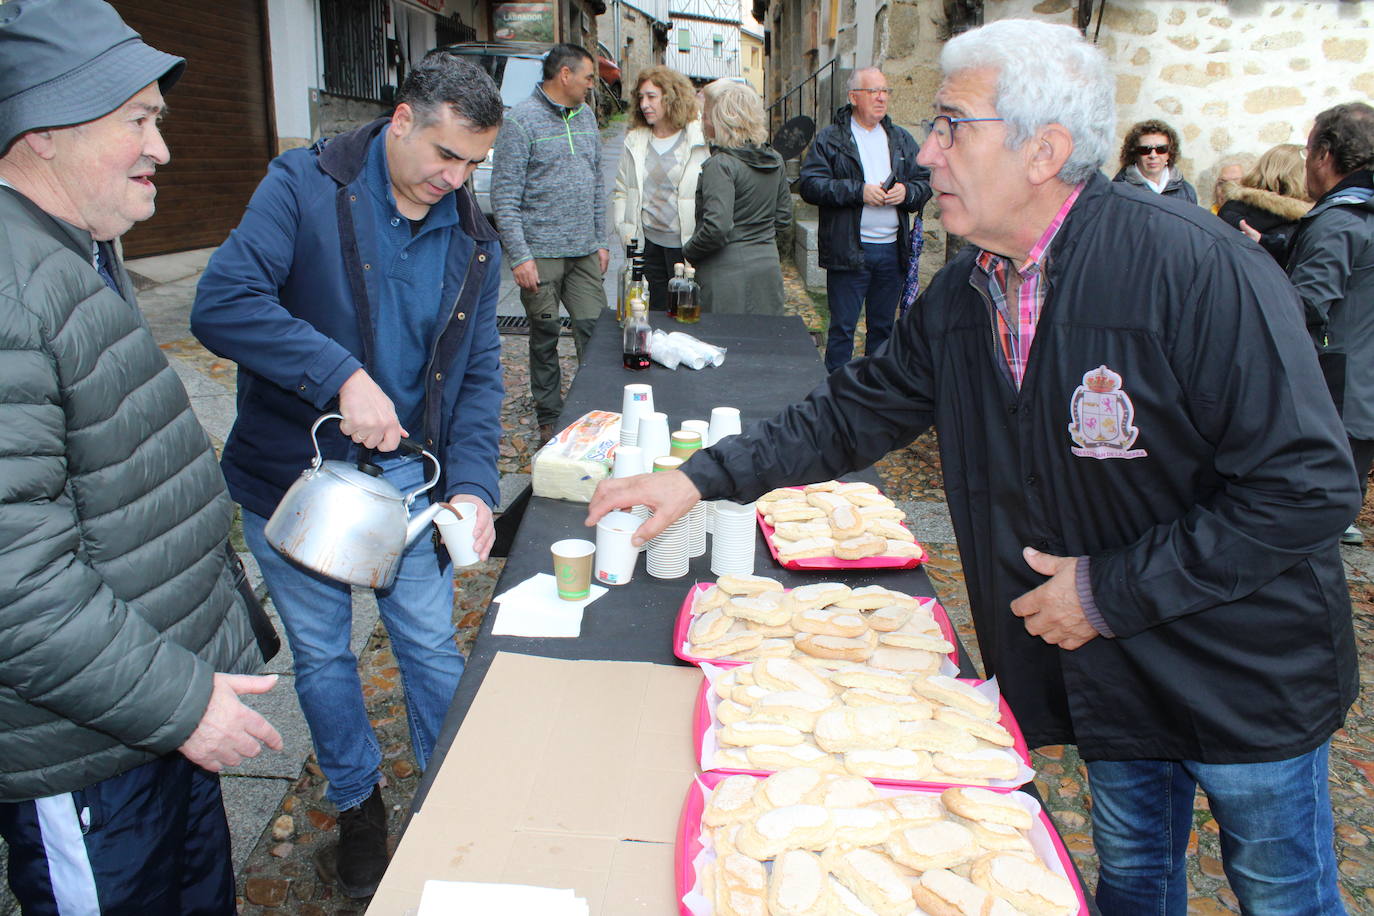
[71, 61]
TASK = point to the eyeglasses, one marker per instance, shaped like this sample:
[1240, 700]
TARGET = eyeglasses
[941, 127]
[874, 91]
[1147, 150]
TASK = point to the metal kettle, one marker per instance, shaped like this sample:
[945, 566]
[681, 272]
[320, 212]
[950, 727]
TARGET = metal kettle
[347, 522]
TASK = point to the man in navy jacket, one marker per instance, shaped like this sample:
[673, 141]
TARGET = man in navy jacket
[363, 280]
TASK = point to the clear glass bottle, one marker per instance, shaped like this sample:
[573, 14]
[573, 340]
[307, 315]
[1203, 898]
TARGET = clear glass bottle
[636, 335]
[675, 288]
[689, 306]
[626, 272]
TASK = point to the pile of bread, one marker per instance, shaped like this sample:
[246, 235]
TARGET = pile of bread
[777, 713]
[849, 521]
[804, 843]
[745, 617]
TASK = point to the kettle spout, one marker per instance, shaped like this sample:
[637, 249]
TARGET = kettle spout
[420, 523]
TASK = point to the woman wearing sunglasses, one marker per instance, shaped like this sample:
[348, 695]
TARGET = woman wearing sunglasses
[1148, 158]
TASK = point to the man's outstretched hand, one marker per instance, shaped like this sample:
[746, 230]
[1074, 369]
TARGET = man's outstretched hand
[670, 494]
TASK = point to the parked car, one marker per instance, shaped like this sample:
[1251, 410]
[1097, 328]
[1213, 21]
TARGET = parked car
[609, 70]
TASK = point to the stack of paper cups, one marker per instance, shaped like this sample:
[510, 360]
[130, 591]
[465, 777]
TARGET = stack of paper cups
[654, 441]
[732, 546]
[638, 402]
[669, 555]
[708, 514]
[629, 461]
[696, 521]
[724, 422]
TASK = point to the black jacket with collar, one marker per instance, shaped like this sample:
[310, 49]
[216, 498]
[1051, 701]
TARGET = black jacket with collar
[1205, 475]
[832, 178]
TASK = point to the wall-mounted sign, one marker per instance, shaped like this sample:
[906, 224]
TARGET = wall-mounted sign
[522, 21]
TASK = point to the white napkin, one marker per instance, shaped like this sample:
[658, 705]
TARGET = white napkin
[533, 608]
[469, 898]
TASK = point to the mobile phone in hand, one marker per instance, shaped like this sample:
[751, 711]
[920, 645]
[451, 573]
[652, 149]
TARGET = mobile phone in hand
[889, 181]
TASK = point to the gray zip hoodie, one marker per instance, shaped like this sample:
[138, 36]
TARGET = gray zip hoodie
[546, 181]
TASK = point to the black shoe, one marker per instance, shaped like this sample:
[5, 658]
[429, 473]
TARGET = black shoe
[362, 846]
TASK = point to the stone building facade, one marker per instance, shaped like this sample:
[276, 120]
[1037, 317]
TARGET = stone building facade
[1230, 77]
[637, 41]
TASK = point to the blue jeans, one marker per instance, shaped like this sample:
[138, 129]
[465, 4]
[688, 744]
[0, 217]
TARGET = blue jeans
[880, 285]
[1276, 834]
[317, 613]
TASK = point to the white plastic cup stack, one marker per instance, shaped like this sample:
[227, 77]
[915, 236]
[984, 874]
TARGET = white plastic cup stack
[732, 546]
[637, 402]
[654, 438]
[669, 554]
[696, 521]
[724, 422]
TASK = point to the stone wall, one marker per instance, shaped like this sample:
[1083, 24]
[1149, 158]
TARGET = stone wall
[636, 51]
[335, 113]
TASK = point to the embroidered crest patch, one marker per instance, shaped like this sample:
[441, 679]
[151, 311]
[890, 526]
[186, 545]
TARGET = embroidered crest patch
[1102, 418]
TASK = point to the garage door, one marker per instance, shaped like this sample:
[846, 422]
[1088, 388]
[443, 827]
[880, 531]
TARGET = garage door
[220, 127]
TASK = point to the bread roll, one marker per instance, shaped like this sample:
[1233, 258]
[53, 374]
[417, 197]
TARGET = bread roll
[986, 805]
[871, 597]
[790, 707]
[749, 694]
[1029, 886]
[888, 529]
[860, 826]
[903, 549]
[873, 500]
[852, 728]
[848, 490]
[817, 594]
[890, 618]
[792, 511]
[934, 736]
[913, 809]
[731, 758]
[940, 892]
[872, 679]
[728, 645]
[857, 547]
[872, 877]
[844, 648]
[728, 712]
[918, 633]
[821, 486]
[780, 757]
[908, 708]
[792, 827]
[844, 903]
[991, 732]
[907, 661]
[787, 674]
[762, 609]
[731, 801]
[999, 837]
[747, 584]
[946, 691]
[884, 509]
[769, 648]
[780, 494]
[806, 549]
[988, 764]
[825, 501]
[741, 881]
[845, 522]
[792, 786]
[827, 621]
[943, 844]
[847, 792]
[709, 627]
[749, 733]
[893, 763]
[712, 597]
[797, 531]
[797, 885]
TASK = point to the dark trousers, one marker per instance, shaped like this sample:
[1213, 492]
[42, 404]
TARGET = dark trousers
[149, 842]
[658, 270]
[576, 283]
[1363, 452]
[876, 290]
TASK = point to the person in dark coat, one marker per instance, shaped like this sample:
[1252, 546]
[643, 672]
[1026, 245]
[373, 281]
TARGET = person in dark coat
[1149, 157]
[742, 205]
[861, 173]
[1331, 265]
[1146, 477]
[1270, 200]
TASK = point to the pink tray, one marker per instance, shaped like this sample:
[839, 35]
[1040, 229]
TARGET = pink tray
[822, 563]
[704, 719]
[682, 649]
[689, 844]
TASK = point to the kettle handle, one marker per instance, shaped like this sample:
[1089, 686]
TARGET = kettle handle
[408, 445]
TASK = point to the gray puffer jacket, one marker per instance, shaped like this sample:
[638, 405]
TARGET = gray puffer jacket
[116, 603]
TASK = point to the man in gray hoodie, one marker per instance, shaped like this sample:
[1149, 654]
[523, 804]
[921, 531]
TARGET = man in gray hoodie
[546, 192]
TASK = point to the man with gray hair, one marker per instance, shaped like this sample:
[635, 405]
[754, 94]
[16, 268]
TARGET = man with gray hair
[1146, 477]
[124, 643]
[363, 282]
[861, 172]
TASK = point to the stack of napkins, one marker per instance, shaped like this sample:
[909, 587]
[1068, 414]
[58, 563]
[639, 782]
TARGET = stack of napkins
[469, 898]
[533, 608]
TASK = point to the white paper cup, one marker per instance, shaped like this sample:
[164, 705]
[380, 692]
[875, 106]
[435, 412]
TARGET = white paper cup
[457, 526]
[629, 461]
[724, 422]
[636, 403]
[615, 552]
[699, 426]
[653, 440]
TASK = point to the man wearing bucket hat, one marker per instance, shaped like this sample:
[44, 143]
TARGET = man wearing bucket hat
[121, 627]
[363, 280]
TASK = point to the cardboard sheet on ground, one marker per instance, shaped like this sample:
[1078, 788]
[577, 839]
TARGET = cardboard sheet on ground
[565, 774]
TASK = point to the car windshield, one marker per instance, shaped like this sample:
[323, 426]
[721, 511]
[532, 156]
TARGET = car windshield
[517, 76]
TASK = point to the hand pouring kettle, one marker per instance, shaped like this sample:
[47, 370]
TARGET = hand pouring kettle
[347, 522]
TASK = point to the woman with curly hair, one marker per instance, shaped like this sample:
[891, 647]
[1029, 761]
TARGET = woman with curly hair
[1148, 158]
[1272, 197]
[742, 204]
[654, 199]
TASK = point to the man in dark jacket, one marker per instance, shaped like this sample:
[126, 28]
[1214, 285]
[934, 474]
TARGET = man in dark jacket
[124, 644]
[1331, 265]
[363, 281]
[1146, 477]
[862, 174]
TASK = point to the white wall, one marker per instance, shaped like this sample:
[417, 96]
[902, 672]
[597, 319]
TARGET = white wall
[294, 34]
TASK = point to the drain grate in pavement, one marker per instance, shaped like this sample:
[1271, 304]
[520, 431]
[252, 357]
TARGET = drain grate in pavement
[519, 324]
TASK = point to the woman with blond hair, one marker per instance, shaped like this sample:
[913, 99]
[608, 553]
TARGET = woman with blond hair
[654, 199]
[742, 204]
[1272, 197]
